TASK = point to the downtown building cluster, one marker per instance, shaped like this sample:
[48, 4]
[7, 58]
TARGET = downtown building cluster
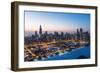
[41, 36]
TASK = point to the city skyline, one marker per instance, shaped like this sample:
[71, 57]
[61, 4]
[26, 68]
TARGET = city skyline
[56, 21]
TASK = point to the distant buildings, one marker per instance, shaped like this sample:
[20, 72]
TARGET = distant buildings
[82, 36]
[41, 36]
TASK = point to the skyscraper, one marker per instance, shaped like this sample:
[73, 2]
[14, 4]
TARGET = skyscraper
[78, 35]
[40, 30]
[36, 34]
[81, 34]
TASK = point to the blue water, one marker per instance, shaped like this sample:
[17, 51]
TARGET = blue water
[74, 54]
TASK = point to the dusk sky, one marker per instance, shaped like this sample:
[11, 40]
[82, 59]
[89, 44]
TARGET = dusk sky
[56, 21]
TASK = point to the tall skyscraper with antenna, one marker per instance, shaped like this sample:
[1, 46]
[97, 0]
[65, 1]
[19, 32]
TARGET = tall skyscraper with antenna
[40, 30]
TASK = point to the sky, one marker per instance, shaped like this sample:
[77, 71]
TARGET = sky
[56, 21]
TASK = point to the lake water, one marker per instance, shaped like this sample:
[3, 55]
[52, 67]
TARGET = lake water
[79, 53]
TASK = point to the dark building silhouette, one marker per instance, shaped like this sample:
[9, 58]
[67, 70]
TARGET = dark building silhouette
[78, 35]
[40, 30]
[36, 36]
[36, 33]
[81, 34]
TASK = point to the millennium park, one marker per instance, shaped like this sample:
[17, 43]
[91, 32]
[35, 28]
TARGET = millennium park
[56, 36]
